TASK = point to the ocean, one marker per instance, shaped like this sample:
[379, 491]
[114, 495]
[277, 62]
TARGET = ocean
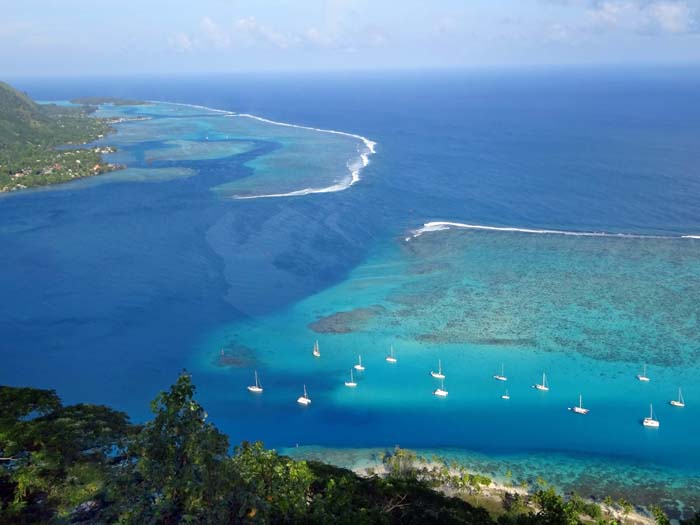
[231, 244]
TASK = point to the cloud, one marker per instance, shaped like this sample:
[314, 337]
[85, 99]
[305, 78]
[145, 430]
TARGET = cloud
[254, 33]
[667, 16]
[181, 42]
[670, 17]
[213, 34]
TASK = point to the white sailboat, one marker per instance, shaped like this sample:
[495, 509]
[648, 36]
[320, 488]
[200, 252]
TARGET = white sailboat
[502, 375]
[316, 352]
[440, 392]
[680, 402]
[543, 385]
[438, 374]
[650, 421]
[643, 376]
[506, 396]
[390, 358]
[351, 383]
[305, 399]
[359, 366]
[579, 409]
[256, 388]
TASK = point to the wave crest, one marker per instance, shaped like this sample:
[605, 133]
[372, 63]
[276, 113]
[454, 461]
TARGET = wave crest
[446, 225]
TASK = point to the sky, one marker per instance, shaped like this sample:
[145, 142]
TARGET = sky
[98, 37]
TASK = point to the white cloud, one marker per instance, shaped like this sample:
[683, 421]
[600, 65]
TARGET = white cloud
[640, 16]
[214, 34]
[181, 42]
[255, 33]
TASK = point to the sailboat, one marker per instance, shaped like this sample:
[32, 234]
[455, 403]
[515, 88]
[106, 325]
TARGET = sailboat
[390, 358]
[305, 399]
[506, 395]
[579, 409]
[543, 385]
[351, 383]
[643, 376]
[359, 366]
[680, 403]
[502, 375]
[650, 421]
[438, 374]
[256, 388]
[440, 392]
[316, 352]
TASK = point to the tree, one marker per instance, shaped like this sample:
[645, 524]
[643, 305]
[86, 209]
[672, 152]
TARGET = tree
[177, 469]
[56, 456]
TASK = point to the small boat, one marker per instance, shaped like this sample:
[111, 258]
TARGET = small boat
[305, 399]
[543, 385]
[579, 409]
[680, 402]
[643, 376]
[440, 392]
[506, 395]
[501, 376]
[256, 388]
[650, 421]
[316, 352]
[351, 383]
[438, 374]
[359, 366]
[390, 358]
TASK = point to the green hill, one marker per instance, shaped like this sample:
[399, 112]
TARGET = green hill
[21, 119]
[30, 133]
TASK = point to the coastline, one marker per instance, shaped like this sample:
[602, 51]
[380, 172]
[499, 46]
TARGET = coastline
[505, 477]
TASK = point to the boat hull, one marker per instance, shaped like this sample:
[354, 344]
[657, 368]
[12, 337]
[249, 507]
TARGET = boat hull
[255, 389]
[650, 423]
[500, 378]
[437, 375]
[304, 401]
[440, 392]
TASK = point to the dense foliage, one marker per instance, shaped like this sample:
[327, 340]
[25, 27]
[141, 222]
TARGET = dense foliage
[30, 134]
[89, 464]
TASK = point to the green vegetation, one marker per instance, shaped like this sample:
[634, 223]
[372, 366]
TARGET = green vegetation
[89, 464]
[96, 101]
[30, 135]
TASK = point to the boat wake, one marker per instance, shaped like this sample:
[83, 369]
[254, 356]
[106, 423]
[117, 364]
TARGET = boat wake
[355, 167]
[445, 225]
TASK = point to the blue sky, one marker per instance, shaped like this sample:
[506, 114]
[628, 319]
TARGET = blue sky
[46, 37]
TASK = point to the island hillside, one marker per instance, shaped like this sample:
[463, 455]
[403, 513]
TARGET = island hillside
[30, 137]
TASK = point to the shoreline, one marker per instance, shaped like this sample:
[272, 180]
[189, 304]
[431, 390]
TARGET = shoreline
[507, 475]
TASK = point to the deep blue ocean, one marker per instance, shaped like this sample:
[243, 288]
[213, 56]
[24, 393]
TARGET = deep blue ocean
[108, 290]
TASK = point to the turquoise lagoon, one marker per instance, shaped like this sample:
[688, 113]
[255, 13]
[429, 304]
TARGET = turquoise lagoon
[590, 311]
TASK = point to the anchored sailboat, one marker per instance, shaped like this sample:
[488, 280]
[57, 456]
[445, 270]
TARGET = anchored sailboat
[440, 392]
[680, 403]
[390, 358]
[506, 395]
[316, 351]
[643, 376]
[650, 421]
[579, 409]
[359, 366]
[351, 383]
[543, 385]
[438, 374]
[256, 388]
[502, 375]
[305, 399]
